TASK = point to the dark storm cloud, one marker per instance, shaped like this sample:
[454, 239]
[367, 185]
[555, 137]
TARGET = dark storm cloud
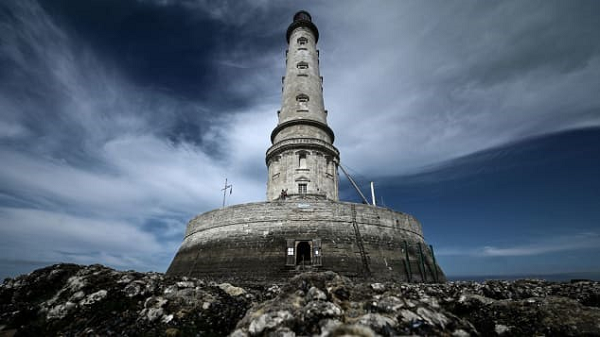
[178, 47]
[556, 38]
[160, 46]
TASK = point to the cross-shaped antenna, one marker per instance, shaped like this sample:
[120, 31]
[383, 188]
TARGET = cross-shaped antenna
[224, 189]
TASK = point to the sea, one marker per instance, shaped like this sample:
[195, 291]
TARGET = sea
[559, 277]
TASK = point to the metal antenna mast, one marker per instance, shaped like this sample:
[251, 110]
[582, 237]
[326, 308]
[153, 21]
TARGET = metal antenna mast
[354, 184]
[224, 189]
[373, 194]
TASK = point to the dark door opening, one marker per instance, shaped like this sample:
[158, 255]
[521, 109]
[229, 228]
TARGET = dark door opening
[303, 253]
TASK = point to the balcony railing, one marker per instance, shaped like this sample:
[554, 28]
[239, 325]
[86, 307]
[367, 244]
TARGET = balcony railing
[292, 142]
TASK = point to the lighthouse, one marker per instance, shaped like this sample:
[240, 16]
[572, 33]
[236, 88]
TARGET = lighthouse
[302, 162]
[303, 226]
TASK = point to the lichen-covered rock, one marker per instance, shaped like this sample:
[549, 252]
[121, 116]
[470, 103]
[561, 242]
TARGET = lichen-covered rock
[94, 300]
[270, 321]
[232, 290]
[68, 299]
[321, 309]
[315, 294]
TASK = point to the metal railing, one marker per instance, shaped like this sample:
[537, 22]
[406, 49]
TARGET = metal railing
[301, 141]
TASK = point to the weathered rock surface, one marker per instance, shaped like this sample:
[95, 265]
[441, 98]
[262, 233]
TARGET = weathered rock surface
[74, 300]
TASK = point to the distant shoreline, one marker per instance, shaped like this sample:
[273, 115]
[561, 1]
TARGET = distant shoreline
[558, 277]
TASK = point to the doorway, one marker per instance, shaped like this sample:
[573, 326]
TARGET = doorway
[303, 253]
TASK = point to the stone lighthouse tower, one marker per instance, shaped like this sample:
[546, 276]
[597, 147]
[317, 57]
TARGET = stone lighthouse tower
[303, 226]
[302, 162]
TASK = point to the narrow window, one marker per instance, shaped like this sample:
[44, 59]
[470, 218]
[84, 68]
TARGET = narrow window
[329, 166]
[302, 189]
[316, 244]
[302, 98]
[290, 259]
[302, 65]
[302, 160]
[302, 41]
[275, 166]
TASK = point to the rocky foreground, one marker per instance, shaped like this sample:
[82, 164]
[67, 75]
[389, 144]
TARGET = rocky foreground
[73, 300]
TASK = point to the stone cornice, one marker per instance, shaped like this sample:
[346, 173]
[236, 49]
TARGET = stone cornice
[302, 23]
[310, 122]
[303, 143]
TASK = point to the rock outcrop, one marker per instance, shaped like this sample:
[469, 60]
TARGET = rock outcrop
[73, 300]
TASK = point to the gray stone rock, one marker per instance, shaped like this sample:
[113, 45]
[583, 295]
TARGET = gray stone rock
[501, 329]
[433, 317]
[460, 333]
[70, 300]
[132, 289]
[378, 287]
[389, 304]
[269, 321]
[153, 308]
[232, 290]
[320, 309]
[353, 330]
[93, 298]
[315, 294]
[378, 323]
[60, 311]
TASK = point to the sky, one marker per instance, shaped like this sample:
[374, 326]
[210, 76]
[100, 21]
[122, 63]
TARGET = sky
[121, 119]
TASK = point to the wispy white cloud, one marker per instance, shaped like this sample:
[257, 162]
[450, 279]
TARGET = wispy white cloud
[55, 236]
[9, 130]
[98, 181]
[432, 83]
[544, 245]
[547, 245]
[236, 13]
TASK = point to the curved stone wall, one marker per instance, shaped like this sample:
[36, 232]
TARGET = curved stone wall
[252, 242]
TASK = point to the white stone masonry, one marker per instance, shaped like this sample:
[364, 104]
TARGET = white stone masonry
[302, 160]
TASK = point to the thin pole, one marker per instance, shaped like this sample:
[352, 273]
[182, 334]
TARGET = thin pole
[424, 271]
[224, 189]
[408, 269]
[434, 264]
[373, 194]
[354, 184]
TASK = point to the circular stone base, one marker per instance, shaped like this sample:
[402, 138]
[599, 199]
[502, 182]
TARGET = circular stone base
[272, 241]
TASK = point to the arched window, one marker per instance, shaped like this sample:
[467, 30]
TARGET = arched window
[302, 65]
[302, 98]
[302, 160]
[302, 40]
